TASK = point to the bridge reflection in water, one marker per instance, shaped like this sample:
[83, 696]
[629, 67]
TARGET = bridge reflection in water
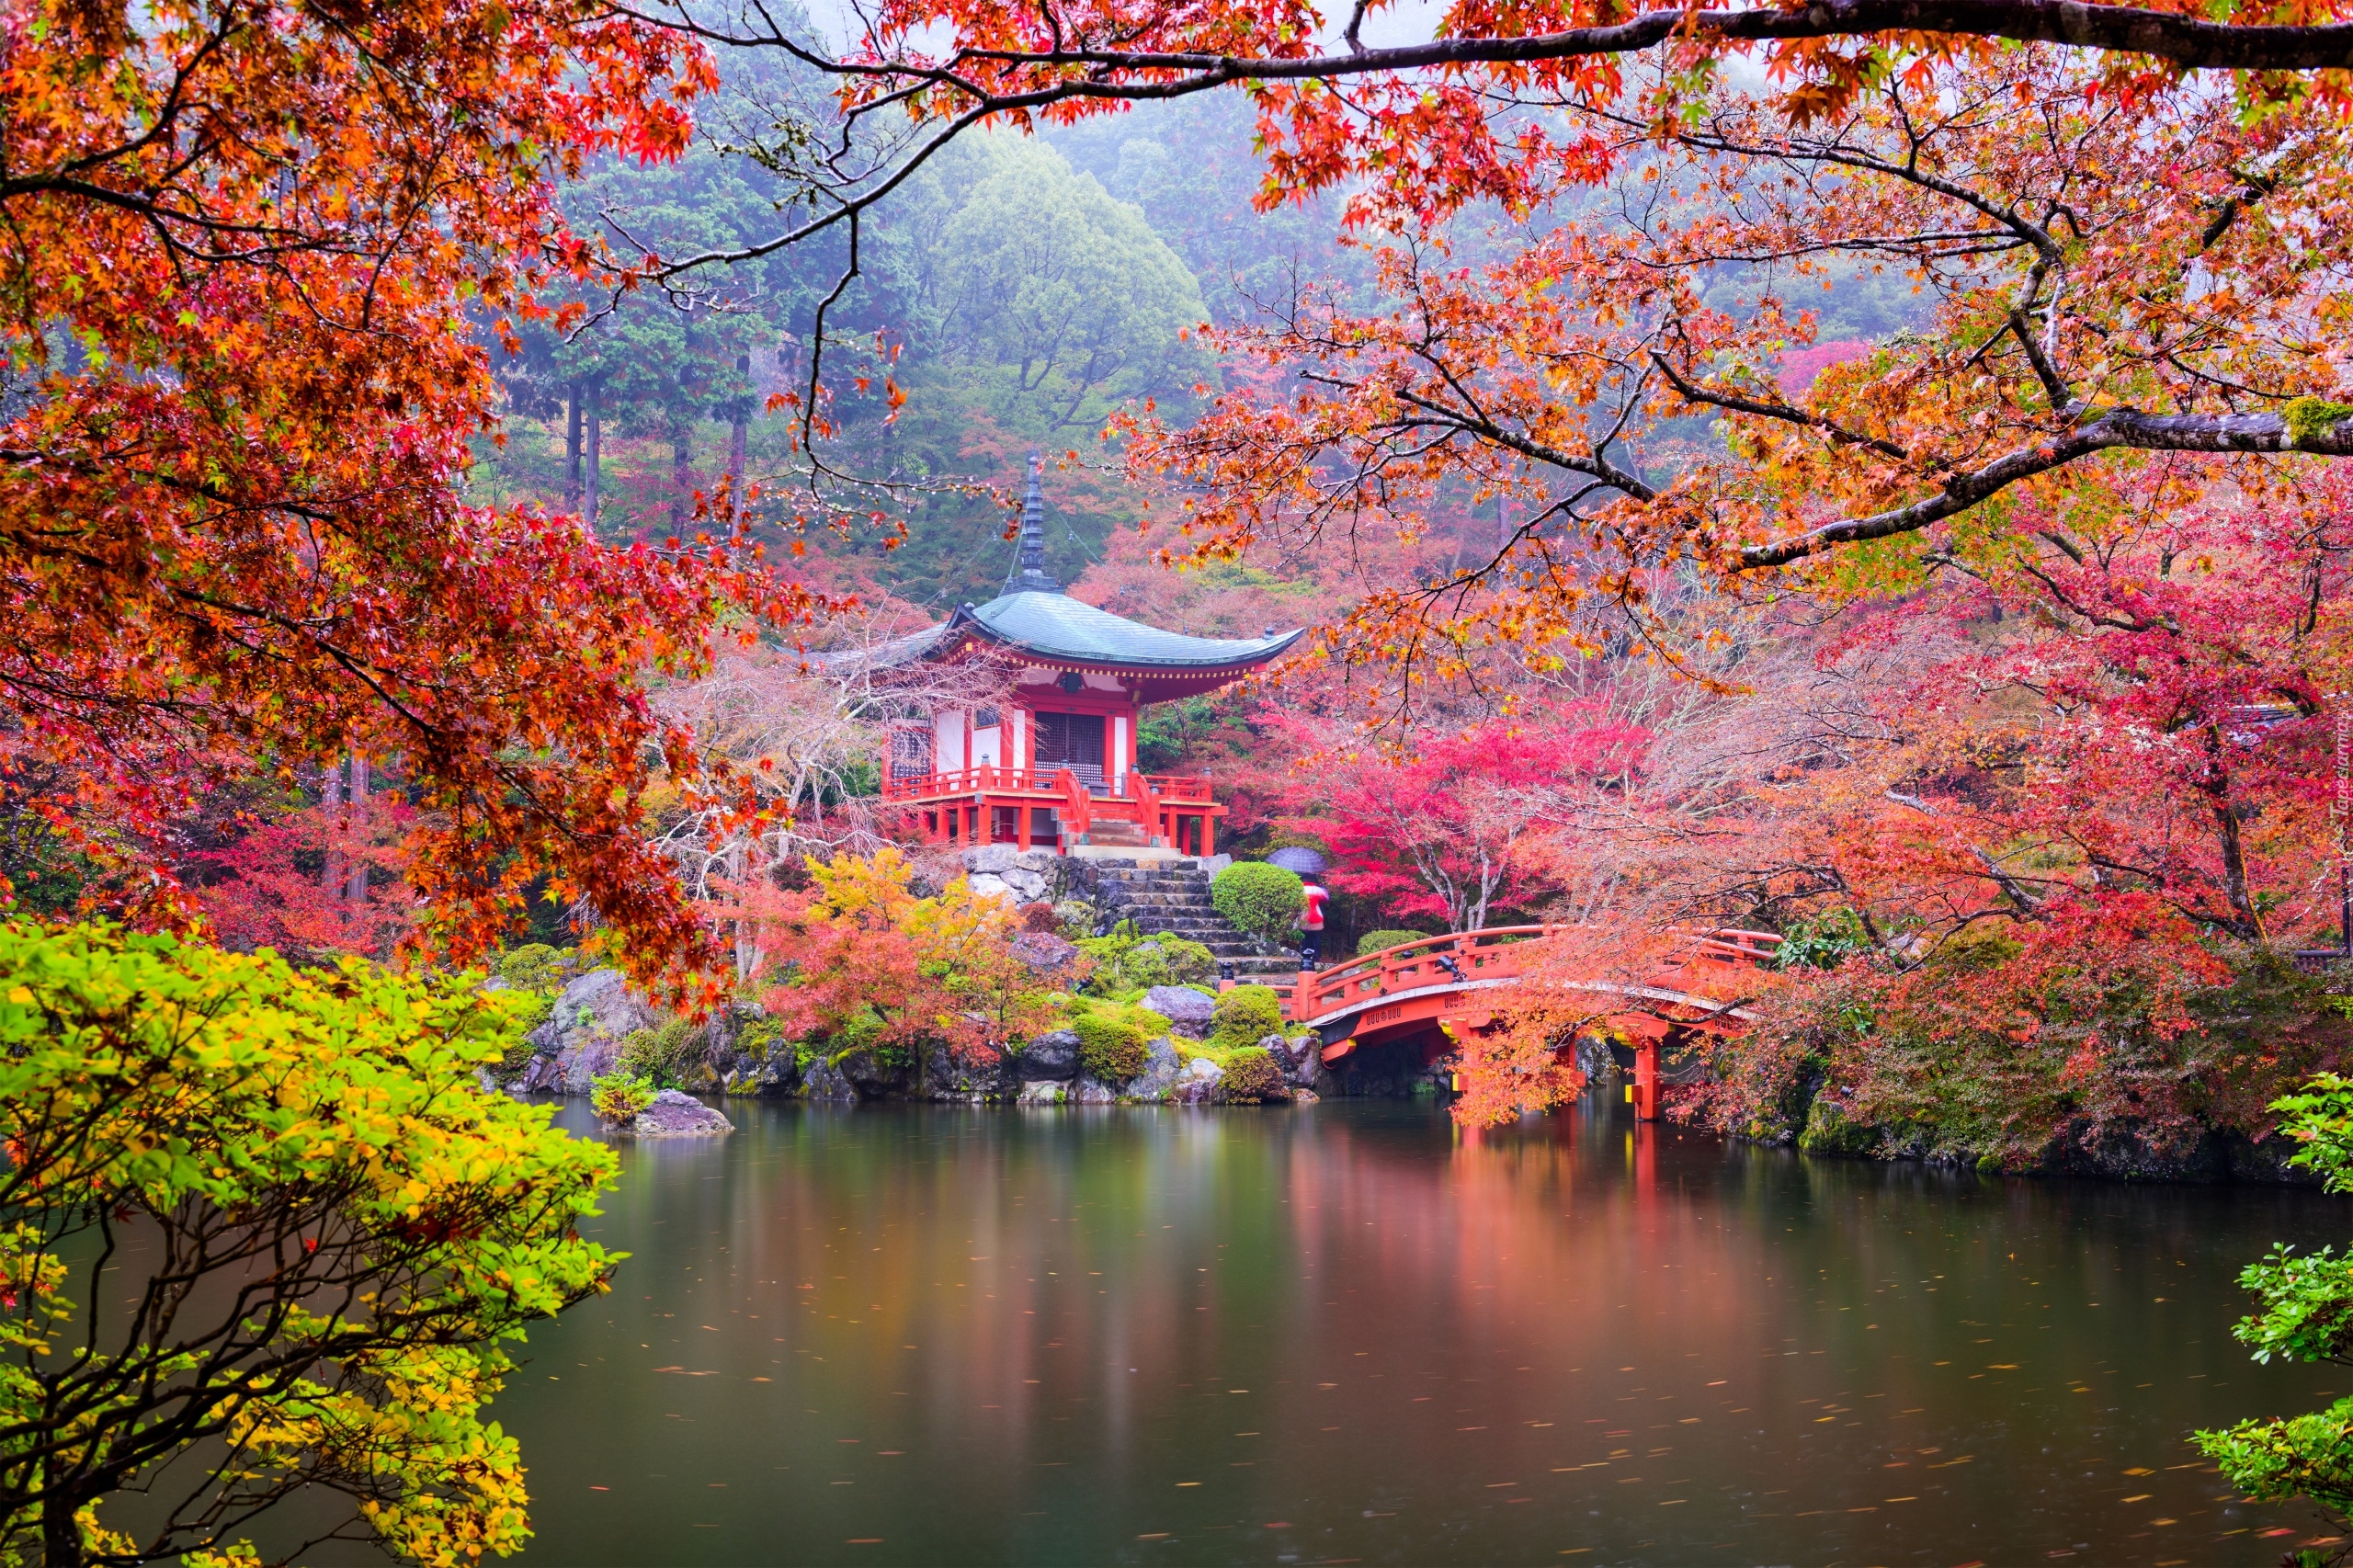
[1432, 993]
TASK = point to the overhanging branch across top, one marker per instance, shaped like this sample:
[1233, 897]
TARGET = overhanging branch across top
[2186, 41]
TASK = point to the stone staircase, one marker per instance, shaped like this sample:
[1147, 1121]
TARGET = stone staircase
[1172, 898]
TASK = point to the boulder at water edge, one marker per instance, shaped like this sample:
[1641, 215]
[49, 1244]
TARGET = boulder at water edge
[947, 1076]
[1186, 1010]
[673, 1115]
[824, 1081]
[1299, 1056]
[1053, 1054]
[583, 1032]
[1198, 1083]
[1162, 1067]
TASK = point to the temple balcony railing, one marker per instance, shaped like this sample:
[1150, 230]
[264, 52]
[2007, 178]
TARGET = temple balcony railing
[991, 780]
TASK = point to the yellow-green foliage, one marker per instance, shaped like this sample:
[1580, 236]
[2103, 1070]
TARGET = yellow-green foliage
[1251, 1076]
[617, 1097]
[327, 1124]
[535, 965]
[1374, 941]
[1245, 1015]
[534, 974]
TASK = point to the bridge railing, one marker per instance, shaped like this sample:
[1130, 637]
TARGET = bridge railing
[1495, 953]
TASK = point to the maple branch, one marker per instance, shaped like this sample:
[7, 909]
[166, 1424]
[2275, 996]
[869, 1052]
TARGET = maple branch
[2179, 40]
[1691, 391]
[2117, 429]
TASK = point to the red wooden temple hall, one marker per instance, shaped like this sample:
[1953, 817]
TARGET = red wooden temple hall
[1055, 766]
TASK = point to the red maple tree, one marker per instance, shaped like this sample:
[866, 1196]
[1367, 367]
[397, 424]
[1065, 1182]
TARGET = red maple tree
[241, 246]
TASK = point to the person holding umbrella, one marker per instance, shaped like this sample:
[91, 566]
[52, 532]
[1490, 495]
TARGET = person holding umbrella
[1312, 897]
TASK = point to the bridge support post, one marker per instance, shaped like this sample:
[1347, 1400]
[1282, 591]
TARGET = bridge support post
[1646, 1080]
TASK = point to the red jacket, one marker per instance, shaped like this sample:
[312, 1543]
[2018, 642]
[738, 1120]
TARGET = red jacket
[1311, 913]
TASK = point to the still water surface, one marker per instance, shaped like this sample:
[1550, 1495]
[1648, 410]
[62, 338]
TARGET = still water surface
[919, 1335]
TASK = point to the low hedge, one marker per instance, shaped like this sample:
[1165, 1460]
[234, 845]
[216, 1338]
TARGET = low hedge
[1243, 1017]
[1111, 1047]
[1374, 941]
[1251, 1076]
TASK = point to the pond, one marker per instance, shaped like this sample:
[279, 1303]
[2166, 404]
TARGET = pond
[1346, 1333]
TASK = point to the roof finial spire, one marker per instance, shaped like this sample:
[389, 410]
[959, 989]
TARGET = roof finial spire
[1029, 574]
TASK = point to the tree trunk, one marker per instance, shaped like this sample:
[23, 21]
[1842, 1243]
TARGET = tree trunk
[571, 446]
[739, 440]
[2217, 786]
[60, 1538]
[596, 452]
[331, 806]
[355, 887]
[682, 490]
[748, 952]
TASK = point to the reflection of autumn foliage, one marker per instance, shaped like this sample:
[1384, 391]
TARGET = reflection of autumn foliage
[860, 961]
[287, 883]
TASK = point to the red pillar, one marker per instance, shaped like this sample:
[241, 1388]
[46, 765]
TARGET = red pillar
[1646, 1080]
[1208, 846]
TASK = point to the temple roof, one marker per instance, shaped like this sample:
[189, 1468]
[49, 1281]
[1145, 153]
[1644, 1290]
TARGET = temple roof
[1055, 626]
[1034, 616]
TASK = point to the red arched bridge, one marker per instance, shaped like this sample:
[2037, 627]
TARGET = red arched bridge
[1430, 989]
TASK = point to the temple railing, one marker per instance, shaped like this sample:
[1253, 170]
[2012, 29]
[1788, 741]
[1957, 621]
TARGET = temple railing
[1172, 789]
[1180, 789]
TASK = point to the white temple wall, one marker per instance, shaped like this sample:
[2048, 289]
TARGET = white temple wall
[948, 740]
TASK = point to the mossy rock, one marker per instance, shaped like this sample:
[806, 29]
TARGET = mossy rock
[759, 1037]
[1828, 1131]
[1128, 963]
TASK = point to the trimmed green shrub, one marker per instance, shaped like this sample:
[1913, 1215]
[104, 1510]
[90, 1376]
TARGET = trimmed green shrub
[1260, 899]
[1110, 1046]
[1245, 1015]
[617, 1097]
[1373, 942]
[1251, 1076]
